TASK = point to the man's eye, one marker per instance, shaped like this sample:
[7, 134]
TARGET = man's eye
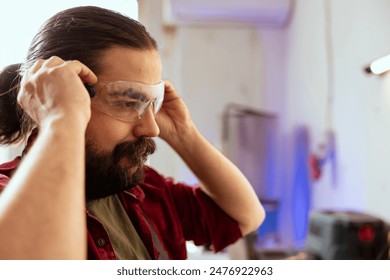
[125, 104]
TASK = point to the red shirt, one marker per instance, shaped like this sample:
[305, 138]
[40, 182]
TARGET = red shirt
[177, 212]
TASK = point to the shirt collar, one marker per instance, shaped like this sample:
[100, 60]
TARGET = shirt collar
[8, 167]
[136, 194]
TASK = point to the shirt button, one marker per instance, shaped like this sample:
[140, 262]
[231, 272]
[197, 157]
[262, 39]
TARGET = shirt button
[100, 242]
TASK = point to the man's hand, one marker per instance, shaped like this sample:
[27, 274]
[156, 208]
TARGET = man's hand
[220, 179]
[54, 89]
[45, 199]
[173, 119]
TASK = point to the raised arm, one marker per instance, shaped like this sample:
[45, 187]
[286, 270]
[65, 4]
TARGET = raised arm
[42, 210]
[219, 177]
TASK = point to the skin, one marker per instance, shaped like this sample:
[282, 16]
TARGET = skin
[42, 217]
[56, 215]
[125, 64]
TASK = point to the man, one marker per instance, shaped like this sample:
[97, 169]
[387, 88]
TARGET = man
[86, 153]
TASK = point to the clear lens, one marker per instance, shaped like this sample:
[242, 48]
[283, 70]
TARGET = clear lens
[128, 100]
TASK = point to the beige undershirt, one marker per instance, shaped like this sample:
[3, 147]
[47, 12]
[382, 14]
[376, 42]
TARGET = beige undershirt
[123, 236]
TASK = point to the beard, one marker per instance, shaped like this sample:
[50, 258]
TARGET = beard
[108, 173]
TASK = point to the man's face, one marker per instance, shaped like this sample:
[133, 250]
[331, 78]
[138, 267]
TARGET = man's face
[116, 150]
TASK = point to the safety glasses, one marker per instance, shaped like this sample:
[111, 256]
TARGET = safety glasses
[127, 100]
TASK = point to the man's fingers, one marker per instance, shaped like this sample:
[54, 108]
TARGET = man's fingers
[55, 63]
[36, 66]
[86, 74]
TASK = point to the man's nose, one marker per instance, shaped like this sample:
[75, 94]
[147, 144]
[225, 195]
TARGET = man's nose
[147, 125]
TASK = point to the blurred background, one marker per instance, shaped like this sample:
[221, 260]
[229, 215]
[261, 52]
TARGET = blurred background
[279, 87]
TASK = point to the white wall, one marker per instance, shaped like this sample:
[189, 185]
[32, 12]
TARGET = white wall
[311, 74]
[211, 65]
[360, 109]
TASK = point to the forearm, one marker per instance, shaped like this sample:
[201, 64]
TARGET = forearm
[42, 209]
[220, 179]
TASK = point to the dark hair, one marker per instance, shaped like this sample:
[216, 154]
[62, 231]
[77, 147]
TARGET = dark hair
[10, 130]
[82, 33]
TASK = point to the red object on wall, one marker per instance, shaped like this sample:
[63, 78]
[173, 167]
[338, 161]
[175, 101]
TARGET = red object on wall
[314, 167]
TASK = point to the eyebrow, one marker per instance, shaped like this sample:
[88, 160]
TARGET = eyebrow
[132, 93]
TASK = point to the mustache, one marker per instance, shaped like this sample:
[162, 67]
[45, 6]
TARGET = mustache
[137, 151]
